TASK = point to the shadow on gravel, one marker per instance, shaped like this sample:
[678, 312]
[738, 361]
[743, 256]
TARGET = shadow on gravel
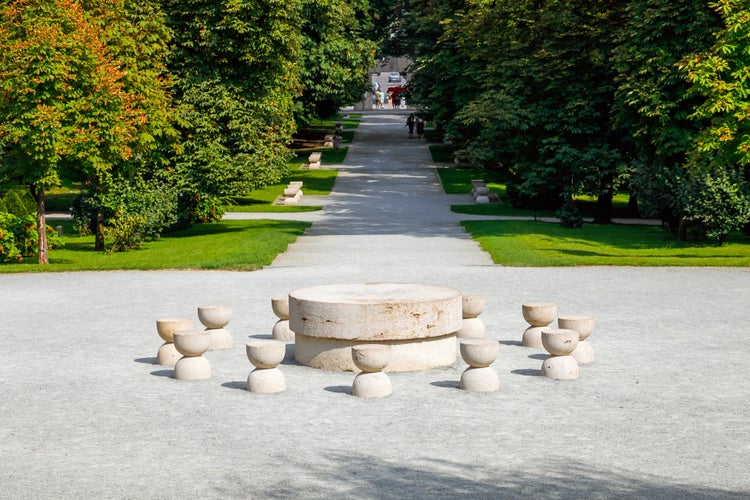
[341, 389]
[163, 373]
[236, 384]
[527, 372]
[337, 475]
[449, 384]
[147, 361]
[541, 357]
[516, 343]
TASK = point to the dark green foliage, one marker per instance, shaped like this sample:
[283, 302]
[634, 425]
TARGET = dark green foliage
[236, 65]
[335, 56]
[18, 201]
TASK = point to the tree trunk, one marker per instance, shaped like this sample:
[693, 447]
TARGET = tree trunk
[41, 225]
[603, 213]
[99, 232]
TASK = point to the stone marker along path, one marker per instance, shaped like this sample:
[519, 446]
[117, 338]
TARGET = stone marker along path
[387, 207]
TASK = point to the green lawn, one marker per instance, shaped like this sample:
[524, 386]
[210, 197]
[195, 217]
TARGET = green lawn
[231, 245]
[529, 243]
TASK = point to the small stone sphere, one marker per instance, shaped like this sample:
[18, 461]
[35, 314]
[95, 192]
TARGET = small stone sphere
[532, 337]
[281, 331]
[167, 326]
[192, 343]
[539, 313]
[472, 328]
[372, 385]
[561, 368]
[215, 316]
[479, 380]
[192, 368]
[280, 306]
[371, 358]
[479, 353]
[167, 354]
[584, 353]
[559, 342]
[266, 381]
[472, 305]
[265, 353]
[583, 324]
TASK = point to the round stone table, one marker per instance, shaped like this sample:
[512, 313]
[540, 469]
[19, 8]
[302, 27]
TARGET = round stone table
[419, 322]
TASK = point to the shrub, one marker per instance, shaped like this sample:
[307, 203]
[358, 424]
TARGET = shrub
[19, 238]
[18, 201]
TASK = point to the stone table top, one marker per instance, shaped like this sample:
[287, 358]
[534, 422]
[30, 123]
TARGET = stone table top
[375, 311]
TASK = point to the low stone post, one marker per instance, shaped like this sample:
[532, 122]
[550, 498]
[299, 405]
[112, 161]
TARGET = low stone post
[215, 318]
[560, 344]
[539, 315]
[472, 327]
[266, 355]
[192, 365]
[281, 330]
[372, 360]
[583, 324]
[166, 327]
[479, 354]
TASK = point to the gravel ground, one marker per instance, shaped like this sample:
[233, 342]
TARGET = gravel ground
[662, 412]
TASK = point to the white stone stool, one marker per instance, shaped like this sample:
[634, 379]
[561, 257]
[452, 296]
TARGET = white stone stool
[560, 344]
[192, 365]
[266, 355]
[215, 318]
[472, 327]
[166, 327]
[539, 315]
[281, 330]
[372, 360]
[479, 354]
[583, 324]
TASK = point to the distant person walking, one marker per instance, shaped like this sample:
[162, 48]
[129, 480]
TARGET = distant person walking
[336, 143]
[410, 123]
[420, 127]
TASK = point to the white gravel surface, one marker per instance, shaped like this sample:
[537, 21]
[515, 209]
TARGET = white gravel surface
[662, 412]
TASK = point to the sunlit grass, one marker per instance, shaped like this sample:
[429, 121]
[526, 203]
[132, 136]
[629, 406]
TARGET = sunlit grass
[230, 245]
[529, 243]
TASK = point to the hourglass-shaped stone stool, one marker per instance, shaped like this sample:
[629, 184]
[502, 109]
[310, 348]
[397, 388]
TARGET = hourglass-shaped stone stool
[281, 330]
[560, 344]
[472, 327]
[215, 318]
[539, 315]
[479, 354]
[372, 360]
[266, 355]
[166, 327]
[192, 365]
[583, 324]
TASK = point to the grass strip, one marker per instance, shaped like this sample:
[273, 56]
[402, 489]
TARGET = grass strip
[242, 245]
[541, 244]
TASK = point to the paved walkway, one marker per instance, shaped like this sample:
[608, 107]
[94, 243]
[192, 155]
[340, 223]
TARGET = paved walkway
[661, 413]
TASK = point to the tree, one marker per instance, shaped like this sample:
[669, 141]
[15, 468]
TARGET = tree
[717, 171]
[62, 98]
[652, 102]
[335, 56]
[236, 64]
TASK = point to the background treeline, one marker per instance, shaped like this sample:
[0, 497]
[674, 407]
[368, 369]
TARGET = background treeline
[164, 108]
[594, 97]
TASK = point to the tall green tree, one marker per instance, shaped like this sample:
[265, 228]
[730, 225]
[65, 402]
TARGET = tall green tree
[335, 57]
[652, 102]
[62, 99]
[236, 64]
[715, 186]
